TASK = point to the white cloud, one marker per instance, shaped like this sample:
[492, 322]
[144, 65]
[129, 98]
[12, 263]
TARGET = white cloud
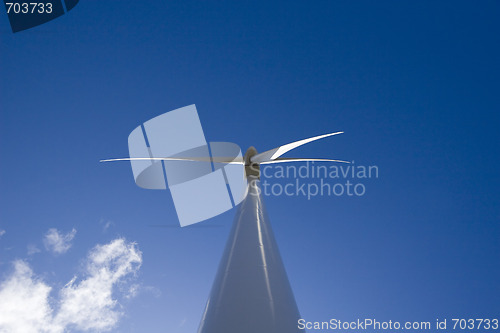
[24, 303]
[89, 303]
[58, 242]
[2, 232]
[85, 304]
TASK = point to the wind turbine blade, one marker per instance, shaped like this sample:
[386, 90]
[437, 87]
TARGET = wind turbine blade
[273, 154]
[286, 160]
[226, 160]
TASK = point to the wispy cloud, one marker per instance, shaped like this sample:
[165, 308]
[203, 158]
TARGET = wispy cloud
[133, 290]
[58, 242]
[86, 304]
[152, 290]
[183, 321]
[2, 232]
[136, 289]
[32, 249]
[106, 224]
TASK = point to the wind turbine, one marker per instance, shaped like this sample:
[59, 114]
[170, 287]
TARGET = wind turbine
[251, 292]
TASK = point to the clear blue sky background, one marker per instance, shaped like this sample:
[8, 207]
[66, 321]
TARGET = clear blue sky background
[414, 85]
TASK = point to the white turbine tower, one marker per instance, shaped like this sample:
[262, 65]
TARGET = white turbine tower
[251, 292]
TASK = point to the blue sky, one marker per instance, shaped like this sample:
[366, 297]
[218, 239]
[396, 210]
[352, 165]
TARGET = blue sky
[414, 85]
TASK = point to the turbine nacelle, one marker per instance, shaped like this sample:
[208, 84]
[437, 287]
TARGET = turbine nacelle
[252, 169]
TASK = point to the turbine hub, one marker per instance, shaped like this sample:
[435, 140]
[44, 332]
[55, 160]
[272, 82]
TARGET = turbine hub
[251, 168]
